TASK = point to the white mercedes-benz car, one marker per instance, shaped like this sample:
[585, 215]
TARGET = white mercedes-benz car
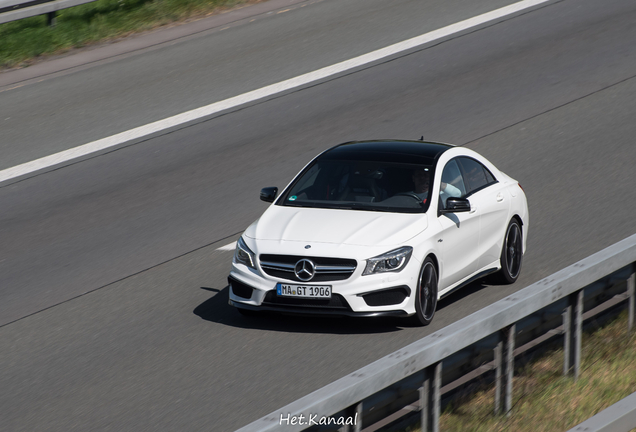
[380, 228]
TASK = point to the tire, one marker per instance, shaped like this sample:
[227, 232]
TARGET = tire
[511, 253]
[426, 294]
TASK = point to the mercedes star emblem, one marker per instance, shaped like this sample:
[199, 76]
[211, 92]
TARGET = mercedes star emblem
[305, 270]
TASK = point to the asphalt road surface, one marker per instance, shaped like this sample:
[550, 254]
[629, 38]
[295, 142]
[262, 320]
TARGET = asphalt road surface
[113, 311]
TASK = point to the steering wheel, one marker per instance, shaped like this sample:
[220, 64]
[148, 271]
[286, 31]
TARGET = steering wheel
[412, 195]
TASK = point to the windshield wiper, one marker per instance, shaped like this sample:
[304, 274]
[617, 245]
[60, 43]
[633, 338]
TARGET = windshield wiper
[298, 204]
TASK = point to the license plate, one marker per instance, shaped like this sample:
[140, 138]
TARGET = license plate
[303, 291]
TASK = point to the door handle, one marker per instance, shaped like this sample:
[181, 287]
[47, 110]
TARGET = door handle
[500, 197]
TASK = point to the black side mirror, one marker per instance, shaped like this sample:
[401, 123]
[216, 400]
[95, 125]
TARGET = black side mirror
[456, 205]
[268, 194]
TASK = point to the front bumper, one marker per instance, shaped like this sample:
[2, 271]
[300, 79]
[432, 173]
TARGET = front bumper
[294, 310]
[389, 294]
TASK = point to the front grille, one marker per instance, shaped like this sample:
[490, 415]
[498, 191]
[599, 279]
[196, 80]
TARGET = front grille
[327, 269]
[336, 302]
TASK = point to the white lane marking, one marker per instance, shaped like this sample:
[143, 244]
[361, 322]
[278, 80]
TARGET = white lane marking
[228, 247]
[198, 113]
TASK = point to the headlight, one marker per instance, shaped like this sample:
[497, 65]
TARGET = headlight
[243, 254]
[393, 261]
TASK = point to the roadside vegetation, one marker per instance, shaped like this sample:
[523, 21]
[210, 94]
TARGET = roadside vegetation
[545, 400]
[25, 41]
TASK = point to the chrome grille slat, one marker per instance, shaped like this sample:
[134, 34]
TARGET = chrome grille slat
[278, 266]
[277, 269]
[343, 269]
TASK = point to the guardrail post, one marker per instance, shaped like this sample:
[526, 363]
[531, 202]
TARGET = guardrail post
[354, 412]
[51, 19]
[498, 376]
[431, 399]
[631, 299]
[572, 334]
[504, 370]
[509, 359]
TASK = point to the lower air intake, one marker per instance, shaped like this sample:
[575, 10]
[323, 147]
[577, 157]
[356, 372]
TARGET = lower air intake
[387, 297]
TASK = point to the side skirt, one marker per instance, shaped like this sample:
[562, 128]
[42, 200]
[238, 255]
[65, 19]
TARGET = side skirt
[479, 275]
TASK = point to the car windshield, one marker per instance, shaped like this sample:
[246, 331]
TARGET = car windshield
[361, 185]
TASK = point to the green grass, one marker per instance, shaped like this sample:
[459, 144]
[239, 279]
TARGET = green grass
[545, 400]
[27, 40]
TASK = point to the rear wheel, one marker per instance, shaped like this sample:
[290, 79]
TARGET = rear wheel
[511, 253]
[426, 295]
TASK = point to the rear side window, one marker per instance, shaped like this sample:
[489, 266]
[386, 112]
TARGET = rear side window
[476, 176]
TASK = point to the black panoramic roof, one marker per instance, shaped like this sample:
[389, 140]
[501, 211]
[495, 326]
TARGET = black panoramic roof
[418, 152]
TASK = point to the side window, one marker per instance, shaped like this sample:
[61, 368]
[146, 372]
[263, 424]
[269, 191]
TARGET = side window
[452, 183]
[476, 175]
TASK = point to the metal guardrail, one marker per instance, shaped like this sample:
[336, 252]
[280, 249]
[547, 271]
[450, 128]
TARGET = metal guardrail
[13, 10]
[551, 308]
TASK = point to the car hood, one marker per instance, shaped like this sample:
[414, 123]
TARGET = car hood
[352, 227]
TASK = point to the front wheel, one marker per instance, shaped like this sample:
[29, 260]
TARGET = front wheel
[426, 295]
[511, 253]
